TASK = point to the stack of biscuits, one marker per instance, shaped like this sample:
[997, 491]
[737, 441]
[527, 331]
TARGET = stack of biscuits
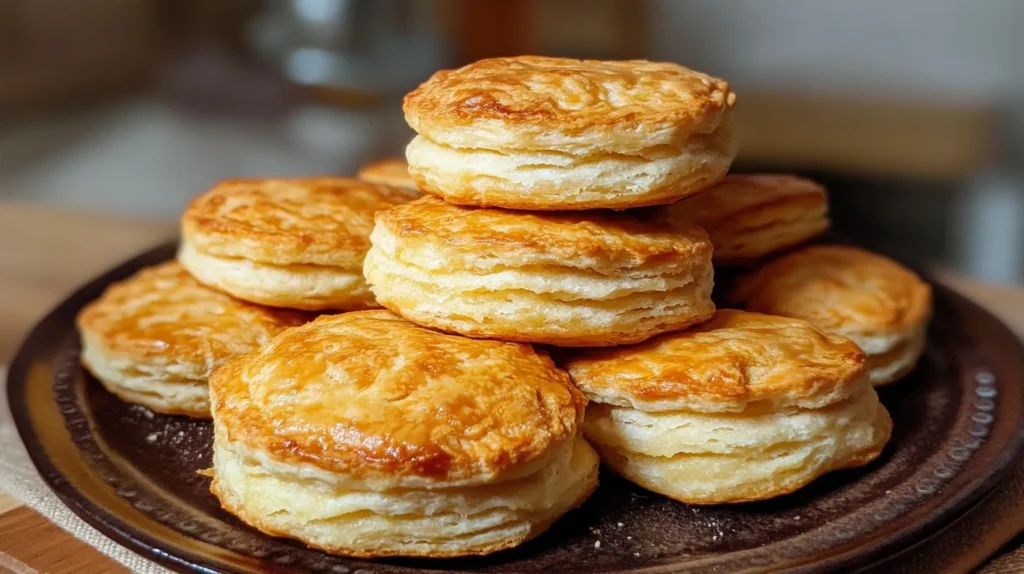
[548, 207]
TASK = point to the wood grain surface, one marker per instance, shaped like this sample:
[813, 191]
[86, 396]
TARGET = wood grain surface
[28, 539]
[45, 253]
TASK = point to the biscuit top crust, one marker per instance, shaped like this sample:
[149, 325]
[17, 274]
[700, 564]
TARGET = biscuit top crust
[161, 314]
[840, 289]
[369, 395]
[734, 362]
[435, 233]
[316, 221]
[389, 171]
[741, 202]
[540, 103]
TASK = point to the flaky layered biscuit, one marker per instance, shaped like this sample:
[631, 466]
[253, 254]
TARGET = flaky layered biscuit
[295, 243]
[743, 407]
[876, 302]
[583, 279]
[154, 338]
[363, 434]
[542, 133]
[389, 171]
[750, 216]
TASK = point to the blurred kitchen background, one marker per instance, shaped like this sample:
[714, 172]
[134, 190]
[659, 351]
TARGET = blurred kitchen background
[911, 111]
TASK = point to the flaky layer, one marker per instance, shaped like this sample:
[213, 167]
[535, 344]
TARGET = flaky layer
[576, 106]
[750, 216]
[898, 360]
[383, 403]
[310, 287]
[172, 388]
[440, 236]
[540, 303]
[162, 316]
[713, 458]
[561, 280]
[549, 180]
[748, 245]
[735, 360]
[283, 500]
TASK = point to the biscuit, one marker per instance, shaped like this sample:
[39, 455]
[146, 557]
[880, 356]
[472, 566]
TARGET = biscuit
[874, 301]
[569, 279]
[540, 133]
[750, 216]
[363, 434]
[389, 171]
[295, 243]
[154, 338]
[744, 407]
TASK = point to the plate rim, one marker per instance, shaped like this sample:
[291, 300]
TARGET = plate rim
[184, 560]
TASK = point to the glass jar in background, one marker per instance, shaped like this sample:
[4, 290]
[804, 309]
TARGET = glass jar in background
[381, 48]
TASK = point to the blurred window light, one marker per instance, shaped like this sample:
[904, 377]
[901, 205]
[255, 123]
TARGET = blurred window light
[321, 10]
[989, 223]
[310, 65]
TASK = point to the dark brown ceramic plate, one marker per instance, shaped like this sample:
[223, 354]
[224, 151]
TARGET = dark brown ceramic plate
[132, 474]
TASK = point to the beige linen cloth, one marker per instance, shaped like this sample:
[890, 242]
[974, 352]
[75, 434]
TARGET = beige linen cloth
[19, 480]
[960, 548]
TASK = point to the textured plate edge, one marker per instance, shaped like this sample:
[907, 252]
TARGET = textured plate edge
[88, 511]
[981, 488]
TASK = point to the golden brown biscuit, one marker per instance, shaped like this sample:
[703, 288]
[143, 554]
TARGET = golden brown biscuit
[561, 134]
[366, 435]
[743, 407]
[295, 243]
[390, 171]
[750, 216]
[154, 338]
[579, 279]
[880, 305]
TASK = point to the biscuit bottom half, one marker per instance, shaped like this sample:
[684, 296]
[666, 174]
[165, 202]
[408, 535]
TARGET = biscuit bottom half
[328, 512]
[307, 287]
[714, 458]
[543, 303]
[890, 358]
[552, 180]
[172, 389]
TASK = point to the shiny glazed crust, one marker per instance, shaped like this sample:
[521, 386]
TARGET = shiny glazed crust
[840, 289]
[561, 104]
[466, 238]
[724, 365]
[365, 435]
[389, 171]
[744, 407]
[555, 134]
[880, 305]
[155, 337]
[750, 216]
[373, 398]
[314, 221]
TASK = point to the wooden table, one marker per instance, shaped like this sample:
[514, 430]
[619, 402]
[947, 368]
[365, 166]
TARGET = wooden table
[44, 253]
